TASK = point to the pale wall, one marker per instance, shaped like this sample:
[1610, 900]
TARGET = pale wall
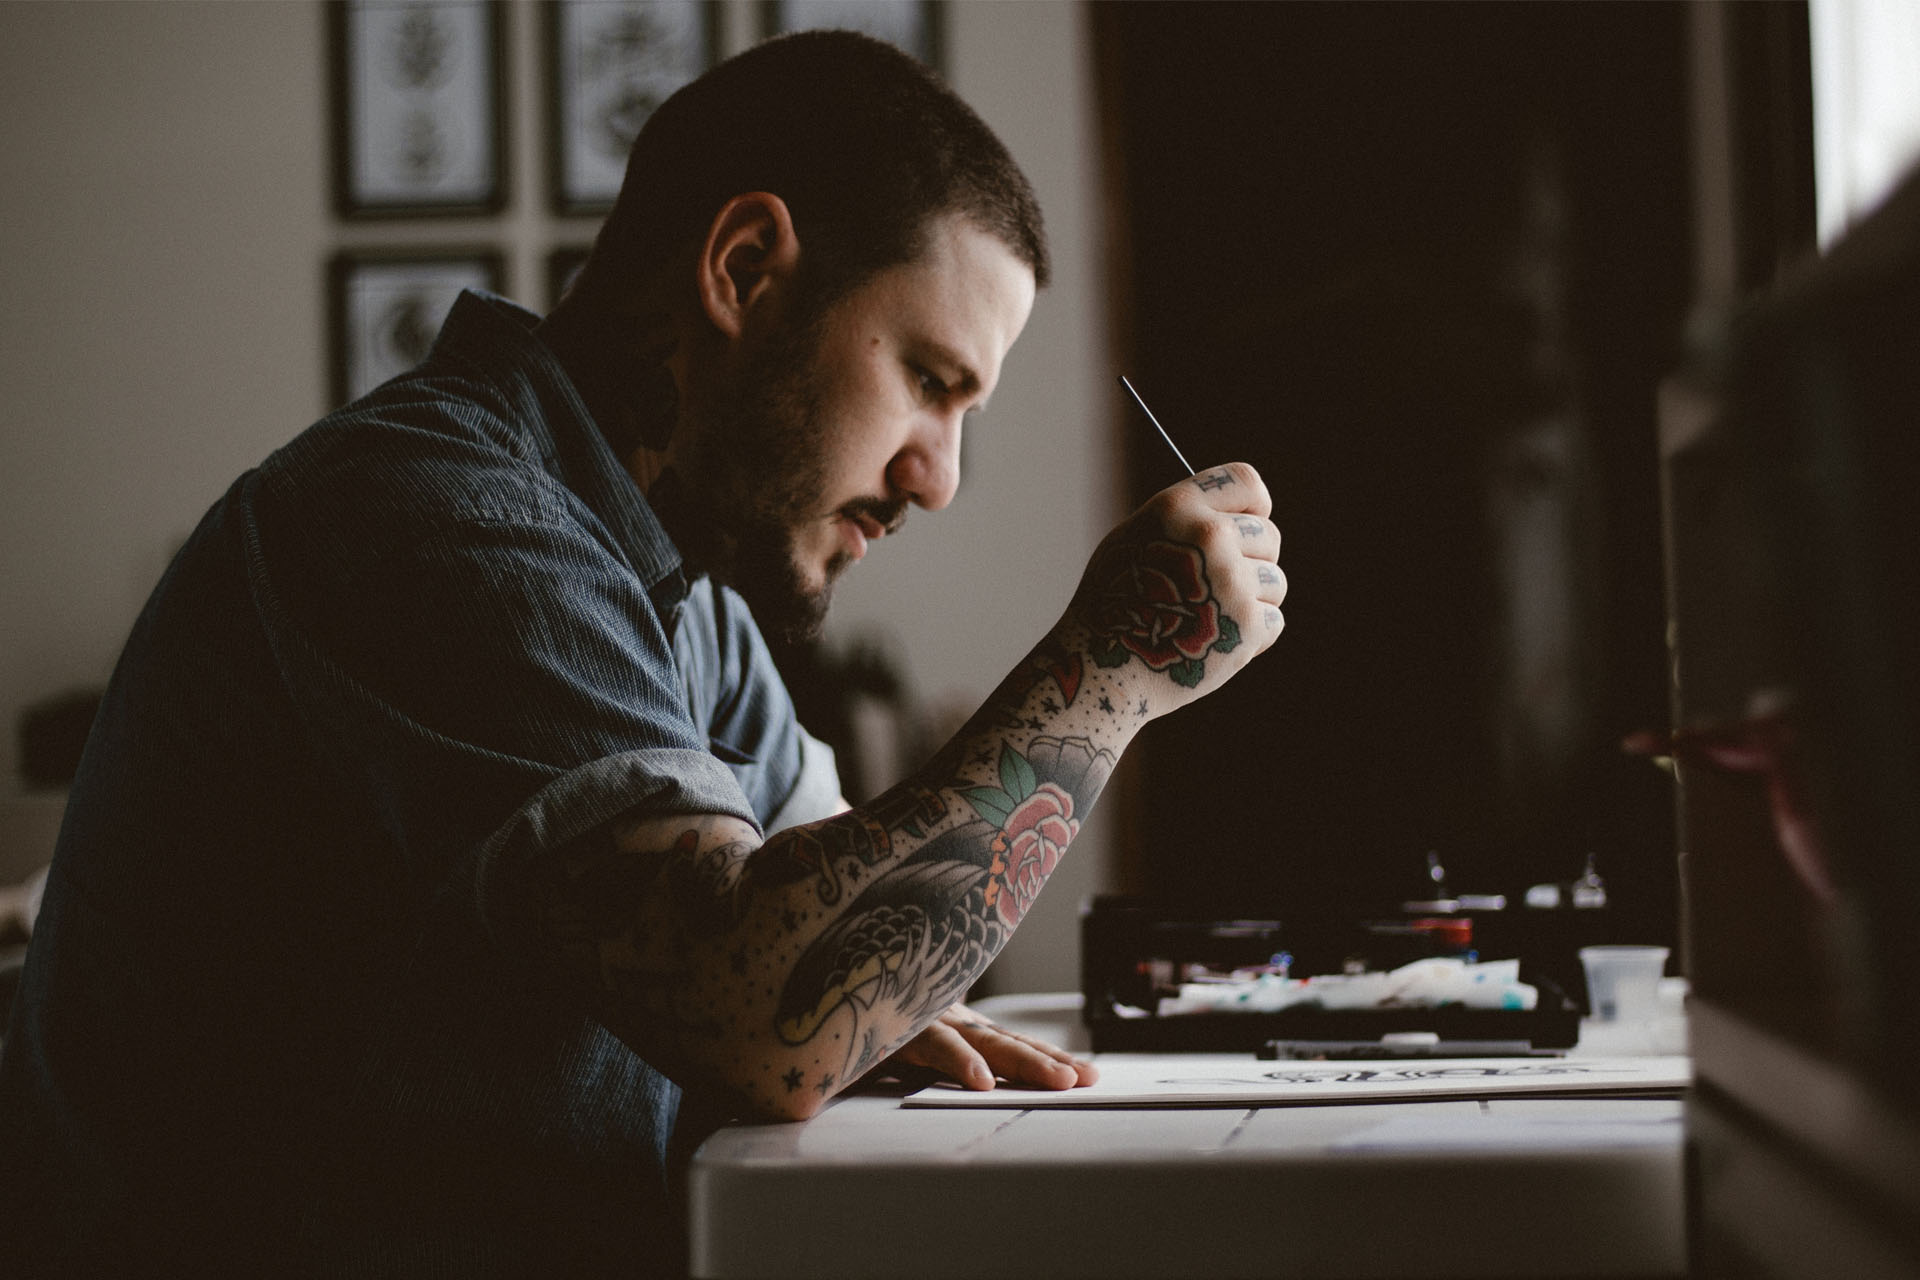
[164, 225]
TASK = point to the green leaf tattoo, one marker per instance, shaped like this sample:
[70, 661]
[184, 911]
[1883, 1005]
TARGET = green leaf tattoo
[1017, 782]
[990, 803]
[1016, 775]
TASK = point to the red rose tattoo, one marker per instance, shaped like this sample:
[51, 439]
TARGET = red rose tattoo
[1027, 849]
[1153, 602]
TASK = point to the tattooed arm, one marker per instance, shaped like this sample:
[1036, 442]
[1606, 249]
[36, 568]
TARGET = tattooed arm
[779, 972]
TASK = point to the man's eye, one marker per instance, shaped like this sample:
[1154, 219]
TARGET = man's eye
[930, 386]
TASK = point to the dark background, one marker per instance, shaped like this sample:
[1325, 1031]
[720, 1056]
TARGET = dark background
[1424, 266]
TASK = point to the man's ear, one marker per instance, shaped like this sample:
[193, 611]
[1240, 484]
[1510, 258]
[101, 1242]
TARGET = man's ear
[750, 253]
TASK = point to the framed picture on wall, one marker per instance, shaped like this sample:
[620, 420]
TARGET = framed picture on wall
[610, 63]
[913, 25]
[563, 264]
[419, 123]
[387, 307]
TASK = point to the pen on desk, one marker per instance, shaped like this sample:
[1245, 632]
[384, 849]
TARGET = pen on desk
[1156, 424]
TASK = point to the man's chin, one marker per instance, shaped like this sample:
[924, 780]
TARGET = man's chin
[788, 608]
[801, 620]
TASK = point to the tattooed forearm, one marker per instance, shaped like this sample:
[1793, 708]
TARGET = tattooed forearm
[780, 970]
[596, 910]
[829, 854]
[919, 936]
[709, 881]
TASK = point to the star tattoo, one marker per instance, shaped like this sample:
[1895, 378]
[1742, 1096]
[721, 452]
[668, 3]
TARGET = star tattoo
[792, 1078]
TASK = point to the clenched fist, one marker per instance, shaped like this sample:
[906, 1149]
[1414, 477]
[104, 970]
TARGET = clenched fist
[1184, 592]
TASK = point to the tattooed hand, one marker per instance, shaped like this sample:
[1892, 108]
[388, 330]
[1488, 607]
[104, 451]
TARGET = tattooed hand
[1185, 591]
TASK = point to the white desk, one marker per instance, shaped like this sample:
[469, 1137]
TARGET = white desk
[1457, 1190]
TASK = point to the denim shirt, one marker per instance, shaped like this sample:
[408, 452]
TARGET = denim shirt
[280, 1013]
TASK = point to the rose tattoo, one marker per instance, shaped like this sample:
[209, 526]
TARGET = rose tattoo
[1153, 602]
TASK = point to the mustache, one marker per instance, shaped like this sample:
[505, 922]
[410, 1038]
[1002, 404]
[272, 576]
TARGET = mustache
[889, 514]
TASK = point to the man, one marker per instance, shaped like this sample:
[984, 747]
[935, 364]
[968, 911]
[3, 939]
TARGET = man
[445, 820]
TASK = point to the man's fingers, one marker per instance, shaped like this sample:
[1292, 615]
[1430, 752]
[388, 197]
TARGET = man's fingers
[1259, 536]
[969, 1049]
[1259, 574]
[1232, 486]
[942, 1048]
[1023, 1059]
[1272, 583]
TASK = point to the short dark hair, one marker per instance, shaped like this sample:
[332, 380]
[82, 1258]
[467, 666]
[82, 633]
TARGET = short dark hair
[864, 143]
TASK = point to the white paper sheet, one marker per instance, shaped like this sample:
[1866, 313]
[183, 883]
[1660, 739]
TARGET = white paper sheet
[1241, 1080]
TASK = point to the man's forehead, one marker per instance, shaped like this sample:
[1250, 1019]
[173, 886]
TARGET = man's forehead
[966, 297]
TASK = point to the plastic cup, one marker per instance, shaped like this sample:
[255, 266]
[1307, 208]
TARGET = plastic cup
[1623, 983]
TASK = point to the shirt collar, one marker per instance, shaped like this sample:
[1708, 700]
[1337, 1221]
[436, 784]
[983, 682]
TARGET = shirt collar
[495, 338]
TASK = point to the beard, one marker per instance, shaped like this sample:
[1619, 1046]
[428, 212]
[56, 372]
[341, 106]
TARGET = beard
[739, 493]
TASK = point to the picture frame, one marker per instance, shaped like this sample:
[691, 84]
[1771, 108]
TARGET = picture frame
[419, 114]
[563, 263]
[609, 64]
[918, 26]
[386, 307]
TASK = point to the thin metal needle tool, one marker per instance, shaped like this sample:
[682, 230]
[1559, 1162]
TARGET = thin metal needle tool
[1156, 424]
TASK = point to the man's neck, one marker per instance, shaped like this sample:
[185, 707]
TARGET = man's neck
[624, 379]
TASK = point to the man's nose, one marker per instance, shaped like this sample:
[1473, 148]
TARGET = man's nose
[927, 468]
